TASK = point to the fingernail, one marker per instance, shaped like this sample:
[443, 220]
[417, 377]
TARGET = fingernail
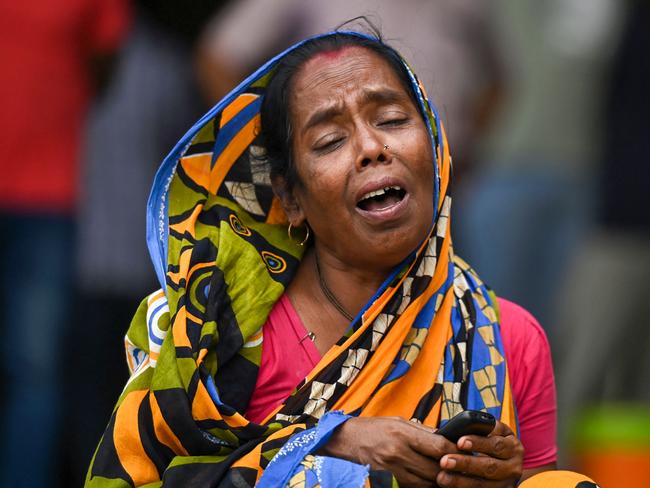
[448, 463]
[466, 444]
[443, 479]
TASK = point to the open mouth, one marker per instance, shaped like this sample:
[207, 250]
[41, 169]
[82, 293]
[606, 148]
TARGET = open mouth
[381, 199]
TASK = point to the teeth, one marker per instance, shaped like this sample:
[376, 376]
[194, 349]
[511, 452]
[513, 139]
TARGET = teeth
[380, 192]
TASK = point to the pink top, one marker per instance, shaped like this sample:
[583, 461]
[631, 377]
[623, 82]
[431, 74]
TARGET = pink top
[288, 356]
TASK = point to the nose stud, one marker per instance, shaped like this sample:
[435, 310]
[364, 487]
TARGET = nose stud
[386, 147]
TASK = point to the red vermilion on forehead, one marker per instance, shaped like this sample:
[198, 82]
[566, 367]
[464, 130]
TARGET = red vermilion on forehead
[332, 54]
[332, 57]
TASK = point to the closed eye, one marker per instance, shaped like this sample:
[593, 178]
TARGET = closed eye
[394, 122]
[328, 145]
[392, 117]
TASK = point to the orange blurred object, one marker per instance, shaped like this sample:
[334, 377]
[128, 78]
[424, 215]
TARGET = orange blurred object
[558, 479]
[616, 468]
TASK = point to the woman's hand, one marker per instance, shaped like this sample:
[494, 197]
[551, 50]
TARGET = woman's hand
[408, 450]
[498, 463]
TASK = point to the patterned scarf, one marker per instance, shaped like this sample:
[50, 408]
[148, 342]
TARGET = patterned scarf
[426, 346]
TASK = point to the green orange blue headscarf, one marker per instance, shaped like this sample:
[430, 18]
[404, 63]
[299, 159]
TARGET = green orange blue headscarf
[426, 346]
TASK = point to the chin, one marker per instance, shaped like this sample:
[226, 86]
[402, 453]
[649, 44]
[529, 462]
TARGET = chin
[392, 246]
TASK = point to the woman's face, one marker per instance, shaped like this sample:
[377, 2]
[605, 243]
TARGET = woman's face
[367, 205]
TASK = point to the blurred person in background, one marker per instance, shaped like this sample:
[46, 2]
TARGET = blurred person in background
[605, 324]
[449, 43]
[151, 100]
[536, 181]
[53, 56]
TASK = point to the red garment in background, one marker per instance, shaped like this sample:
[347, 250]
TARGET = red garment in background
[287, 357]
[45, 52]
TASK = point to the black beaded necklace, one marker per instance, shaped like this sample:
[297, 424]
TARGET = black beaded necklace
[328, 293]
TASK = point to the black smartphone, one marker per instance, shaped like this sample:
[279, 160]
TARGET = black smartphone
[469, 422]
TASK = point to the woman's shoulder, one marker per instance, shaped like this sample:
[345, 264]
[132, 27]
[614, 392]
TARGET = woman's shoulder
[519, 327]
[525, 343]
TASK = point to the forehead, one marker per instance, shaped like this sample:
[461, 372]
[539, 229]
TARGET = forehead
[341, 72]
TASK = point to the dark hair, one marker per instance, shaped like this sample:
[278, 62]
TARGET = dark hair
[276, 130]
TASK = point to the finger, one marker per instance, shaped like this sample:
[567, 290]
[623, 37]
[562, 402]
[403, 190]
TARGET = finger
[406, 478]
[446, 479]
[432, 445]
[495, 446]
[480, 466]
[501, 429]
[422, 466]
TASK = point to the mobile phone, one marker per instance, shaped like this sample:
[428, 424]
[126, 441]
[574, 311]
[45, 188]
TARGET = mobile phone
[469, 422]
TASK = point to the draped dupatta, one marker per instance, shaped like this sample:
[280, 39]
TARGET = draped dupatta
[426, 346]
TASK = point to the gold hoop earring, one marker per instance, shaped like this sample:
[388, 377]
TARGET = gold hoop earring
[304, 241]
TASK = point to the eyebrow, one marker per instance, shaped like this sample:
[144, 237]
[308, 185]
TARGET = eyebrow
[380, 96]
[384, 96]
[323, 115]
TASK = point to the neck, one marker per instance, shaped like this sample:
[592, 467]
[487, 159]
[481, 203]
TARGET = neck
[350, 286]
